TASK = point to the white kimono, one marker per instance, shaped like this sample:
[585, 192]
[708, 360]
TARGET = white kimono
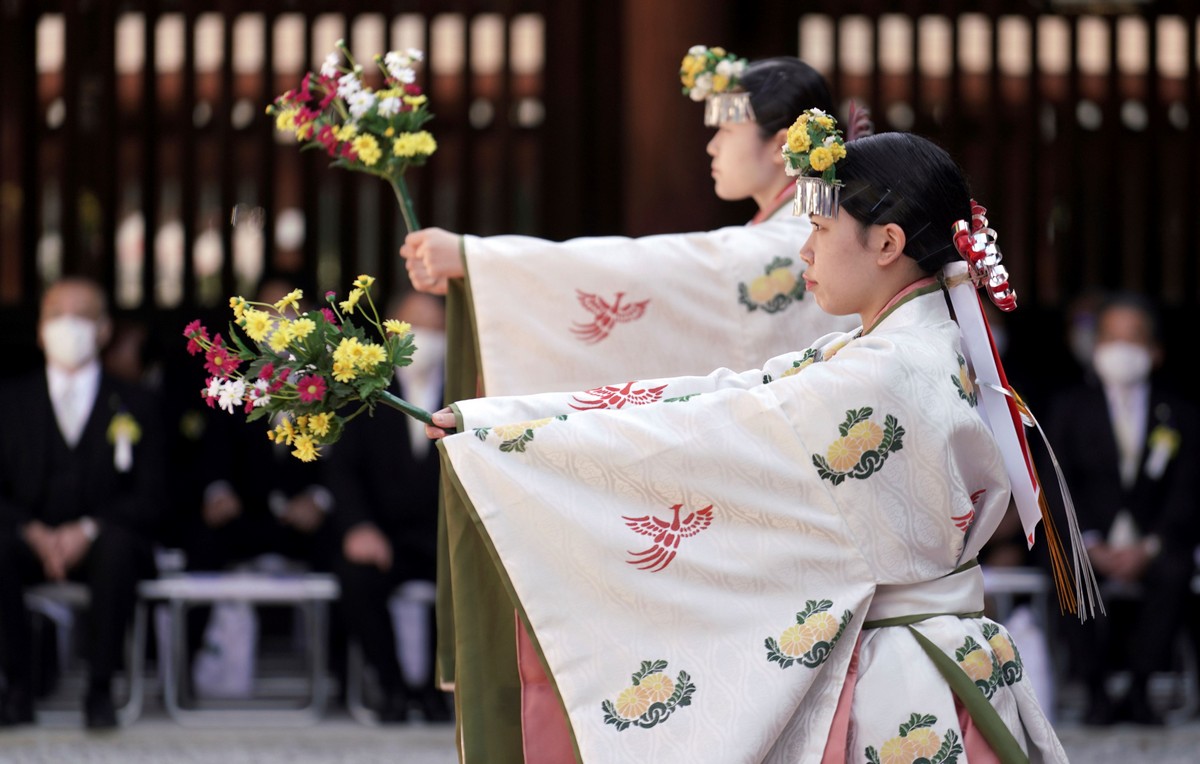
[698, 570]
[556, 316]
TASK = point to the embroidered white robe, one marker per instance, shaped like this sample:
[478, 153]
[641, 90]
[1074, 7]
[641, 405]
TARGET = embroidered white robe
[556, 316]
[697, 565]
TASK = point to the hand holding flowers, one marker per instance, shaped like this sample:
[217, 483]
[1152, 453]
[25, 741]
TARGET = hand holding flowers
[304, 370]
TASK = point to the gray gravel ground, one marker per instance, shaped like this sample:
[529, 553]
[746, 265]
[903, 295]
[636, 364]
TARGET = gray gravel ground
[339, 739]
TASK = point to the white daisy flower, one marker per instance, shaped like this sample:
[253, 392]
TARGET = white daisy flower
[348, 85]
[259, 393]
[330, 67]
[360, 103]
[232, 393]
[389, 106]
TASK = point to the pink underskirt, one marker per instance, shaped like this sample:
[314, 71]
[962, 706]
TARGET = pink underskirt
[545, 736]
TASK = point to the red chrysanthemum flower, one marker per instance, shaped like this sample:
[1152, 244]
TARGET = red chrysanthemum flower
[194, 332]
[267, 372]
[218, 361]
[311, 388]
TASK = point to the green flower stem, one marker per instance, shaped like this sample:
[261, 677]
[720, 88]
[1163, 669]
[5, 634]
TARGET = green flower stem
[406, 205]
[420, 414]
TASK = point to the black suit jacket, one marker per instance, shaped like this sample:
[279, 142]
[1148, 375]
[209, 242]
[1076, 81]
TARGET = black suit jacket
[375, 477]
[1081, 433]
[41, 478]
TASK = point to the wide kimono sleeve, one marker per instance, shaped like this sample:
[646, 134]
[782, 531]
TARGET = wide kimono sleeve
[572, 315]
[479, 413]
[684, 567]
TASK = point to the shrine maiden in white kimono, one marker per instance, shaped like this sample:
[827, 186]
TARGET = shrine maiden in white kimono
[709, 565]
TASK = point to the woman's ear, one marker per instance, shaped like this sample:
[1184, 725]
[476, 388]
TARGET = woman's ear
[890, 242]
[776, 144]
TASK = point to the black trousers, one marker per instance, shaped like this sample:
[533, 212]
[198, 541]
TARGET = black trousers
[1136, 634]
[111, 569]
[363, 608]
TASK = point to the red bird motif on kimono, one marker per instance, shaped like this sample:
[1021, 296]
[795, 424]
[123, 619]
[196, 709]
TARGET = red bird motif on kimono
[606, 316]
[963, 522]
[666, 534]
[616, 396]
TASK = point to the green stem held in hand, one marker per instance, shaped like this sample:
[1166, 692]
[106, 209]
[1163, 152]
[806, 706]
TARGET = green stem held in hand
[406, 205]
[398, 403]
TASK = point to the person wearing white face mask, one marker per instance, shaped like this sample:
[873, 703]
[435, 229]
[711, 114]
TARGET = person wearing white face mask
[1128, 451]
[384, 475]
[81, 489]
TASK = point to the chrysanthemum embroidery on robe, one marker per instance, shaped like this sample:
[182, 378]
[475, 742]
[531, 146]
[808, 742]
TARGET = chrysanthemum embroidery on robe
[650, 699]
[777, 288]
[811, 639]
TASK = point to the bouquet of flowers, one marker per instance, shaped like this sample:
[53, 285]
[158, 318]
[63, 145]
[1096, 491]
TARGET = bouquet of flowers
[378, 132]
[707, 71]
[814, 143]
[303, 370]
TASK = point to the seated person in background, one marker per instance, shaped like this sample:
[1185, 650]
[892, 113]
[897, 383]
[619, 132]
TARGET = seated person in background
[81, 492]
[384, 476]
[1127, 446]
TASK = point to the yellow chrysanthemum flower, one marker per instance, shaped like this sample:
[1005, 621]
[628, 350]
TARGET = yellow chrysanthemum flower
[865, 436]
[290, 300]
[838, 151]
[372, 356]
[345, 132]
[842, 455]
[977, 664]
[347, 305]
[823, 626]
[797, 136]
[397, 327]
[367, 149]
[719, 52]
[343, 371]
[306, 448]
[632, 702]
[347, 351]
[285, 120]
[258, 323]
[414, 144]
[364, 281]
[821, 159]
[304, 130]
[1003, 648]
[414, 100]
[302, 327]
[318, 424]
[720, 82]
[238, 304]
[281, 337]
[795, 641]
[658, 687]
[285, 432]
[825, 122]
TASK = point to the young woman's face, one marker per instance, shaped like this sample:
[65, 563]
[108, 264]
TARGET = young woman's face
[840, 267]
[743, 163]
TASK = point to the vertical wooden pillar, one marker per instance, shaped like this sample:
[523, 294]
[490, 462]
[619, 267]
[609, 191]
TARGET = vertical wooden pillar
[89, 153]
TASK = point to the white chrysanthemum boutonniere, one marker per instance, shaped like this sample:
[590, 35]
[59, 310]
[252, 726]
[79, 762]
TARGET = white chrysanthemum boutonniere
[123, 433]
[1162, 446]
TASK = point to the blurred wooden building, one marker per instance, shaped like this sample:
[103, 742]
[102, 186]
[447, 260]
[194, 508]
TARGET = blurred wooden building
[132, 130]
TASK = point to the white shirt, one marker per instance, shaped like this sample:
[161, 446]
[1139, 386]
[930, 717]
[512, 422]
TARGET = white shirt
[73, 395]
[424, 390]
[1129, 407]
